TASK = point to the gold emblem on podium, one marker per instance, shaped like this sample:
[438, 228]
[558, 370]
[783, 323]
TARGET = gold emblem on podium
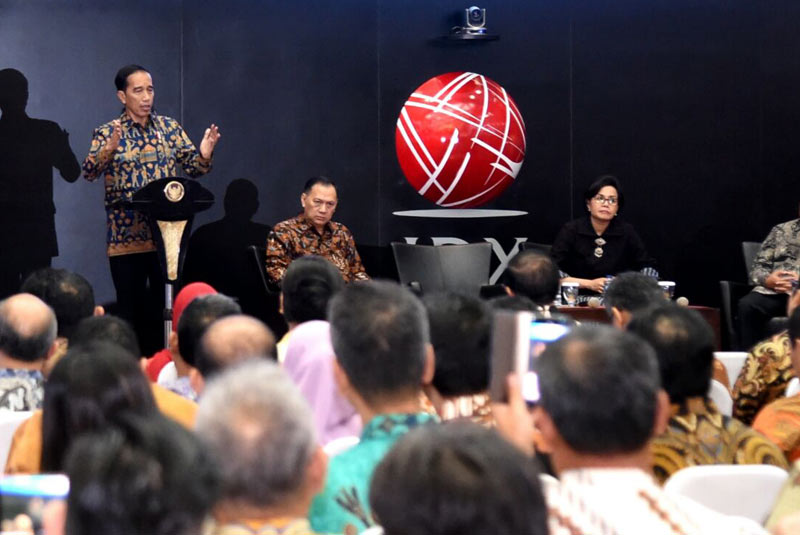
[174, 191]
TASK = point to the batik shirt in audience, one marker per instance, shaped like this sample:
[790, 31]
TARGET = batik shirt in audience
[21, 390]
[278, 526]
[780, 250]
[612, 501]
[764, 376]
[297, 237]
[788, 501]
[343, 506]
[698, 434]
[780, 422]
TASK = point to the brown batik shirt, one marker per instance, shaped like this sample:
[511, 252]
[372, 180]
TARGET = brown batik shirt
[297, 237]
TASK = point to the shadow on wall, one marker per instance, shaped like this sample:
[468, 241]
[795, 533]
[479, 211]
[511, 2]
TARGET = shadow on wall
[29, 149]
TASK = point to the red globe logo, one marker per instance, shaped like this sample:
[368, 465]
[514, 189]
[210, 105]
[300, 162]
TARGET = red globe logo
[460, 140]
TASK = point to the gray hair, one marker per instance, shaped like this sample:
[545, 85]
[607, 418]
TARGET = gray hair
[259, 426]
[28, 327]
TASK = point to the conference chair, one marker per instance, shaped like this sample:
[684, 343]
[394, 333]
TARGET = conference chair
[452, 268]
[731, 292]
[733, 362]
[721, 397]
[749, 251]
[743, 490]
[792, 387]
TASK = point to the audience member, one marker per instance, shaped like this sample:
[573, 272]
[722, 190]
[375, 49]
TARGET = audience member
[629, 293]
[457, 478]
[143, 475]
[308, 285]
[230, 340]
[460, 331]
[533, 275]
[765, 373]
[383, 356]
[169, 361]
[600, 443]
[780, 420]
[260, 429]
[309, 363]
[697, 433]
[514, 303]
[27, 338]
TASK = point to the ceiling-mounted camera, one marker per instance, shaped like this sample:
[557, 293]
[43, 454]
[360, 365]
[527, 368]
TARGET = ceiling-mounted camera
[474, 28]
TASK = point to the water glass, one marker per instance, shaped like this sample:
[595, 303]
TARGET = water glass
[570, 292]
[668, 287]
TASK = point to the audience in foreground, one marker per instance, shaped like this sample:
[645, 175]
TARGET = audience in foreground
[27, 338]
[629, 293]
[380, 336]
[457, 478]
[600, 443]
[259, 428]
[697, 433]
[533, 275]
[780, 420]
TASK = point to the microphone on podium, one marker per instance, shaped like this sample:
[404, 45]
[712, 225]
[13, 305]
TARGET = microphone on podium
[594, 302]
[682, 301]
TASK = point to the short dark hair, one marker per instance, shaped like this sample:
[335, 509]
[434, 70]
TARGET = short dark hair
[318, 180]
[109, 329]
[632, 291]
[460, 330]
[69, 295]
[121, 79]
[601, 182]
[515, 303]
[19, 340]
[457, 478]
[308, 285]
[88, 389]
[794, 325]
[534, 275]
[144, 475]
[600, 386]
[198, 315]
[379, 333]
[684, 345]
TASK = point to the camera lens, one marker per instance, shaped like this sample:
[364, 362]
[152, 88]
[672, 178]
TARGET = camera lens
[475, 14]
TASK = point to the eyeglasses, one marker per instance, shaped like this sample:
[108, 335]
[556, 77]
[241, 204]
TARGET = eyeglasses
[612, 201]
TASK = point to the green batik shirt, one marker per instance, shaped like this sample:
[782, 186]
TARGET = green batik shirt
[343, 505]
[159, 149]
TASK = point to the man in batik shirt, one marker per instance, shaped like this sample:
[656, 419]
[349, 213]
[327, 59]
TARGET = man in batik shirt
[130, 152]
[313, 232]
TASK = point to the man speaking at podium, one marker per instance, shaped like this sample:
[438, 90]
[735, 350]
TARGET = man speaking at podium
[129, 152]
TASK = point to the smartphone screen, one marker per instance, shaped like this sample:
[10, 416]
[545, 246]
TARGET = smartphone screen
[517, 341]
[23, 500]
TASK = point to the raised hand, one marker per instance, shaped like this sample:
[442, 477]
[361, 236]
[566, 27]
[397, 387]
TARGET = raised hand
[210, 139]
[116, 134]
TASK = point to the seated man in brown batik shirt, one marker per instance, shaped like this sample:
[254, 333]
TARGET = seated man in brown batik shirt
[313, 232]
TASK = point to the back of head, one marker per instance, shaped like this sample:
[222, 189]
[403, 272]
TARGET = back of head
[260, 428]
[514, 303]
[230, 340]
[457, 478]
[633, 292]
[684, 345]
[460, 330]
[109, 329]
[27, 328]
[600, 386]
[379, 333]
[197, 316]
[144, 475]
[533, 275]
[69, 295]
[794, 326]
[87, 390]
[307, 287]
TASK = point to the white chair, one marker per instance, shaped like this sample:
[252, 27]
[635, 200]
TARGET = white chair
[374, 530]
[9, 421]
[721, 397]
[339, 445]
[733, 362]
[744, 490]
[793, 387]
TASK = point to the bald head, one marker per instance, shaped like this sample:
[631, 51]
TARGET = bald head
[27, 328]
[233, 339]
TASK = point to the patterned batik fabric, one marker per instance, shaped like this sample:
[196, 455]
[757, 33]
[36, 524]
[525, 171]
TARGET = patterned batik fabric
[763, 378]
[343, 506]
[698, 434]
[627, 501]
[287, 526]
[788, 501]
[780, 422]
[21, 390]
[780, 250]
[297, 237]
[159, 149]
